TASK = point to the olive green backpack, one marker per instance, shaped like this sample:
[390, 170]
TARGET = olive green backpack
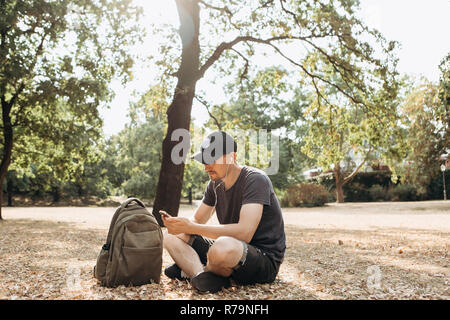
[132, 254]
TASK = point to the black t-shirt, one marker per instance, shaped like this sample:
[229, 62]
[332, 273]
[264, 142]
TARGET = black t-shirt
[252, 186]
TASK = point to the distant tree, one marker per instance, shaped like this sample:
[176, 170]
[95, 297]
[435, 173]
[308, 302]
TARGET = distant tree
[232, 31]
[427, 117]
[344, 140]
[195, 181]
[325, 132]
[57, 145]
[93, 179]
[342, 137]
[59, 54]
[136, 150]
[139, 157]
[444, 96]
[444, 87]
[61, 170]
[268, 100]
[195, 178]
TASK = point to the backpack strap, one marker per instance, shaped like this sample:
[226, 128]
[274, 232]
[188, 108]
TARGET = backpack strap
[111, 226]
[116, 215]
[129, 200]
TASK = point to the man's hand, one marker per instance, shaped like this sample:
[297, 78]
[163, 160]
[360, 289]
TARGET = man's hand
[244, 230]
[177, 225]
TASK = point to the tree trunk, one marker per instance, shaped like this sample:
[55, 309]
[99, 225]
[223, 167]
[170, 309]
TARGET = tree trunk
[190, 196]
[339, 184]
[7, 146]
[341, 181]
[9, 189]
[168, 192]
[339, 193]
[56, 194]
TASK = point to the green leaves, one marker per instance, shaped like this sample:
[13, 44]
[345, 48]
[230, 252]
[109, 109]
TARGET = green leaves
[426, 115]
[138, 157]
[57, 60]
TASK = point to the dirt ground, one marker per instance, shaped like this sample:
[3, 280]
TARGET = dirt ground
[348, 251]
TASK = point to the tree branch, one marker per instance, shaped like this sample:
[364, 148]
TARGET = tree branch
[314, 76]
[221, 9]
[207, 109]
[16, 95]
[224, 10]
[228, 45]
[247, 62]
[350, 177]
[38, 53]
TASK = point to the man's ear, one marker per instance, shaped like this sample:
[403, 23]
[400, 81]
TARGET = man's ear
[233, 157]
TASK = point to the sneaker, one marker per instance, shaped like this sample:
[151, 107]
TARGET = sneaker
[175, 272]
[208, 281]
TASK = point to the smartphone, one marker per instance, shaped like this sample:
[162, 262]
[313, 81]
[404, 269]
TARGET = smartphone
[165, 214]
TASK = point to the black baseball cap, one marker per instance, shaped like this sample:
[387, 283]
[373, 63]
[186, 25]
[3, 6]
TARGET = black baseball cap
[214, 146]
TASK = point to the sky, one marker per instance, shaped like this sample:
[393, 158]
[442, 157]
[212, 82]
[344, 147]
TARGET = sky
[421, 27]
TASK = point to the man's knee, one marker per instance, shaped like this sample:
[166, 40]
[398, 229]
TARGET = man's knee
[225, 252]
[168, 239]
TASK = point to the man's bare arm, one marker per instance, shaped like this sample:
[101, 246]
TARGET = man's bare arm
[202, 214]
[244, 230]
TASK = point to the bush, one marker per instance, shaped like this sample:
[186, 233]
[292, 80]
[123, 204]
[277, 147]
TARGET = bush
[305, 195]
[403, 192]
[356, 192]
[358, 189]
[436, 186]
[377, 193]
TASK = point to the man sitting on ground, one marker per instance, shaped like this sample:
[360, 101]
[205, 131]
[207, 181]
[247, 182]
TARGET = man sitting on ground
[250, 241]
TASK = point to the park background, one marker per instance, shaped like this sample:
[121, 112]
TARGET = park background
[119, 151]
[356, 91]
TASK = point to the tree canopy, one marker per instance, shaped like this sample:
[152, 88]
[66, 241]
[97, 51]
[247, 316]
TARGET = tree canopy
[311, 71]
[427, 115]
[57, 60]
[324, 41]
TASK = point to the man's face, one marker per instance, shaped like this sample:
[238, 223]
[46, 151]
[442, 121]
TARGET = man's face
[218, 169]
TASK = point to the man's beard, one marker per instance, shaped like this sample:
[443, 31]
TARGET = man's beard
[214, 176]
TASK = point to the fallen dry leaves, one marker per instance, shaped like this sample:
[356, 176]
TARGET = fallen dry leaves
[51, 260]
